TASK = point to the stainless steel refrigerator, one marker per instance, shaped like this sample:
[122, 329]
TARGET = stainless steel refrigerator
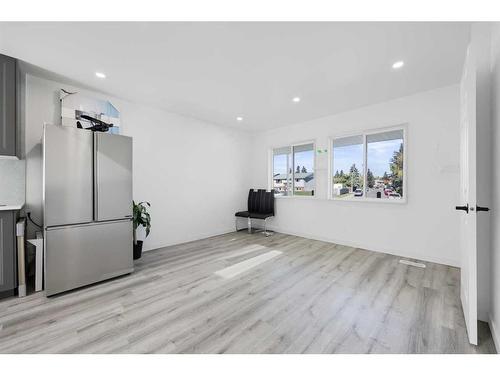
[87, 200]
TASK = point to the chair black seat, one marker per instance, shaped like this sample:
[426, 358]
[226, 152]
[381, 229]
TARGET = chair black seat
[258, 215]
[260, 205]
[242, 214]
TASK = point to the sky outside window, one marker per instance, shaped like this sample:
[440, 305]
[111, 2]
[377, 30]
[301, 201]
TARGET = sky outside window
[302, 158]
[344, 157]
[380, 155]
[280, 164]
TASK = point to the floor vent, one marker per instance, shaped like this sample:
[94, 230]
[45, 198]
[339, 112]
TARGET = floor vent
[410, 263]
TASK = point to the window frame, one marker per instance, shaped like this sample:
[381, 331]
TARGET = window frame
[271, 166]
[364, 134]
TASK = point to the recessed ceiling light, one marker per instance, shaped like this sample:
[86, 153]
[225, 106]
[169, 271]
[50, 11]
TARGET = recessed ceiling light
[239, 118]
[296, 99]
[398, 64]
[100, 75]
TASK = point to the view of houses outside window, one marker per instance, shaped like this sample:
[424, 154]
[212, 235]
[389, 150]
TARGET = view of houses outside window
[348, 168]
[384, 176]
[384, 169]
[293, 170]
[303, 157]
[282, 171]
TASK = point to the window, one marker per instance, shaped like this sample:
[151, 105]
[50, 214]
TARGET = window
[348, 167]
[384, 176]
[303, 164]
[369, 166]
[293, 170]
[282, 171]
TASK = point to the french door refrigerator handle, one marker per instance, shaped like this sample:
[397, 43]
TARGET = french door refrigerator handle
[95, 177]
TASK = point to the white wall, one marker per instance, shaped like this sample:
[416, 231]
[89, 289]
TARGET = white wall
[192, 172]
[495, 215]
[426, 227]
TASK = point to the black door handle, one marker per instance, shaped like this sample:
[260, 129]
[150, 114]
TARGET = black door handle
[478, 208]
[463, 208]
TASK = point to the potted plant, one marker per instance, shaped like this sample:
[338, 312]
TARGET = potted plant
[141, 218]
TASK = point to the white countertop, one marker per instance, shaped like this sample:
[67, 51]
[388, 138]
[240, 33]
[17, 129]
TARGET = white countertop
[11, 207]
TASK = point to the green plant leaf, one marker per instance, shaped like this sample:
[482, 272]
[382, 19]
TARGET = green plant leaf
[141, 216]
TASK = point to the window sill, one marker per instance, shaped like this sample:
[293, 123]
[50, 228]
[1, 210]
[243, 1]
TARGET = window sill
[366, 200]
[370, 200]
[315, 197]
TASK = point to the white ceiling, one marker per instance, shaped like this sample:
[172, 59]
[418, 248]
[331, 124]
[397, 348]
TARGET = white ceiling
[218, 71]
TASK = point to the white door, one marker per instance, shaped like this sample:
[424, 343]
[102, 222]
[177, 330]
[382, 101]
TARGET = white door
[468, 222]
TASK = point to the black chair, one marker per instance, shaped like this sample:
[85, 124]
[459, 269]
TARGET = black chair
[260, 207]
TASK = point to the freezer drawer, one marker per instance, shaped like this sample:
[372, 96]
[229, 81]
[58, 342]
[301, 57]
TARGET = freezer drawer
[68, 175]
[113, 176]
[84, 254]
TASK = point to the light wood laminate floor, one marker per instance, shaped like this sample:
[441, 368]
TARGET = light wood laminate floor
[312, 297]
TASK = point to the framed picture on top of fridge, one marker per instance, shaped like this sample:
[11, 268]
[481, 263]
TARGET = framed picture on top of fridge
[76, 109]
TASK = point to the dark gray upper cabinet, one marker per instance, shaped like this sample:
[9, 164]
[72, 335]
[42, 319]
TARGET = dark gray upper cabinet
[7, 252]
[8, 77]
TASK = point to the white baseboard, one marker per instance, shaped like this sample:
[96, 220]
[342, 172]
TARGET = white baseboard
[494, 333]
[403, 254]
[155, 246]
[446, 262]
[483, 316]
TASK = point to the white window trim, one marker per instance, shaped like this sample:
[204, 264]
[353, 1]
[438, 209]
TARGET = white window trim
[365, 133]
[271, 171]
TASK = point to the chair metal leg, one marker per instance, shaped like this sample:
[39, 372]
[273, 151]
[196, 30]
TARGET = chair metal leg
[249, 224]
[266, 233]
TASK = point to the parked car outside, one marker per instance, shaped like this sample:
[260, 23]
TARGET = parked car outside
[394, 195]
[358, 193]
